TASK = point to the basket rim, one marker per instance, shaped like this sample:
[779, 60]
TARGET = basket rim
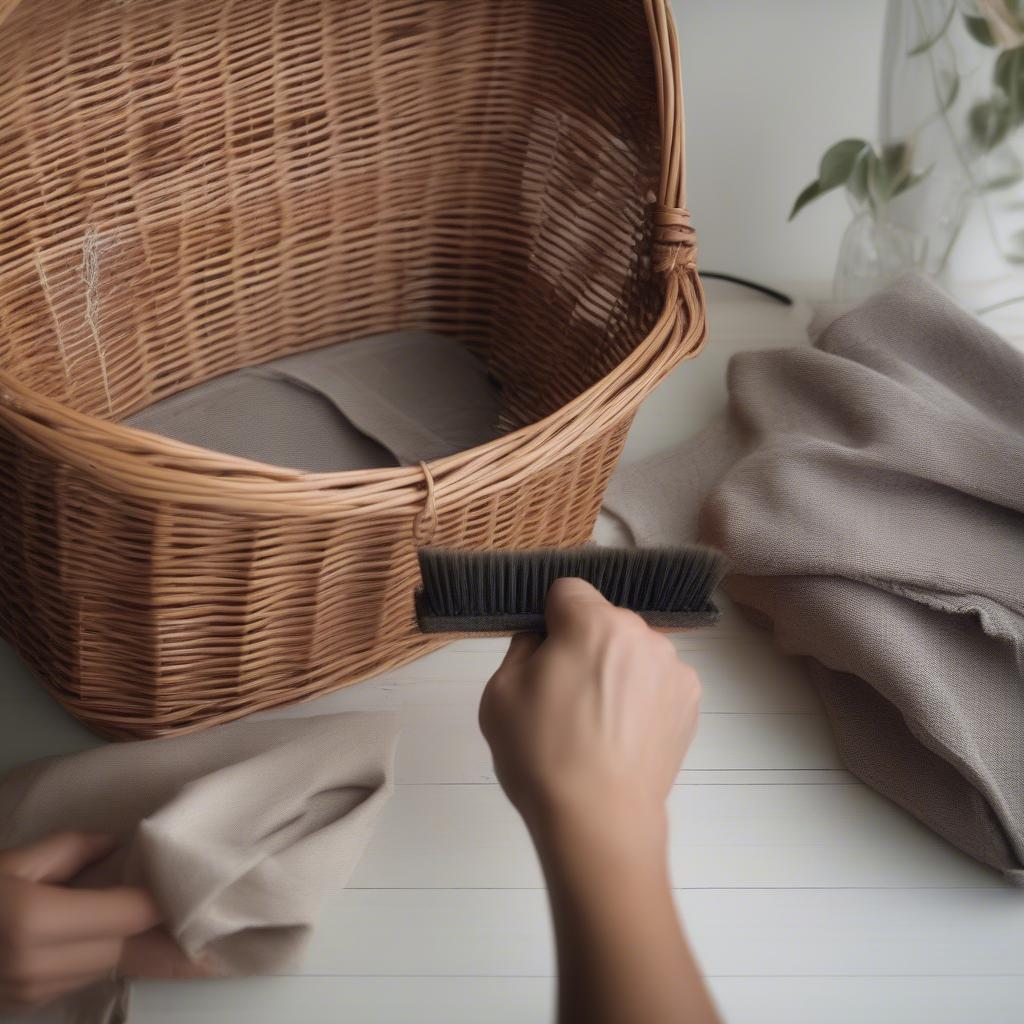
[148, 465]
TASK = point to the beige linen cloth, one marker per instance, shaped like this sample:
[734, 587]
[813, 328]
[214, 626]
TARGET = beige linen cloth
[386, 400]
[869, 493]
[237, 831]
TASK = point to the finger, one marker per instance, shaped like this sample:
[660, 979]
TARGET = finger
[155, 954]
[45, 993]
[32, 998]
[569, 602]
[58, 857]
[55, 990]
[520, 648]
[60, 915]
[76, 960]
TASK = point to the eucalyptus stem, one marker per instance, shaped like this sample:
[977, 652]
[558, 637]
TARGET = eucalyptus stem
[1000, 305]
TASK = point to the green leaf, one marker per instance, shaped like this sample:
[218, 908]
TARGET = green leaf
[980, 30]
[929, 42]
[891, 171]
[835, 169]
[838, 162]
[808, 195]
[857, 182]
[989, 122]
[1009, 77]
[1009, 69]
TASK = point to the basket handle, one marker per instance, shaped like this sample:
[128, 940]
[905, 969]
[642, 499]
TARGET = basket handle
[675, 240]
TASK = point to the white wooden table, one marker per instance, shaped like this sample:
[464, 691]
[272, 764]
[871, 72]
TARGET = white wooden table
[810, 899]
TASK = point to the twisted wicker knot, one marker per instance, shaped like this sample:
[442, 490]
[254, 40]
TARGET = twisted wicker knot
[424, 526]
[675, 241]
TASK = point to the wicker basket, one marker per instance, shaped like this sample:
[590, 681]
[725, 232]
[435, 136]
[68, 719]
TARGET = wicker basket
[190, 186]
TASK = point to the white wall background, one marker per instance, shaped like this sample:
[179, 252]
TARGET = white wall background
[769, 85]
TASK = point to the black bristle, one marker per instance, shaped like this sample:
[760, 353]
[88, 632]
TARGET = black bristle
[505, 591]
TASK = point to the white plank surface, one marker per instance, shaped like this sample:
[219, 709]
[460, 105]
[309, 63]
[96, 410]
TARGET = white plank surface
[740, 836]
[759, 932]
[469, 1000]
[808, 897]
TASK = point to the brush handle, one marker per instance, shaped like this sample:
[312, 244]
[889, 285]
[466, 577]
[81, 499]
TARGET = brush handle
[502, 624]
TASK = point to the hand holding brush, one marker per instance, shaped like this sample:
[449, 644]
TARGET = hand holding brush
[588, 727]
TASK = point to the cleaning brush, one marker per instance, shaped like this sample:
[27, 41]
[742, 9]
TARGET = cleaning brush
[505, 591]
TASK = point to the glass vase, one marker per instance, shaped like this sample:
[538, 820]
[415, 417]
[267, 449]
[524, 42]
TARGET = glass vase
[952, 99]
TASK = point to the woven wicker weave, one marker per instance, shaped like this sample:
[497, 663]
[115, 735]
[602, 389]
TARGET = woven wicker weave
[190, 186]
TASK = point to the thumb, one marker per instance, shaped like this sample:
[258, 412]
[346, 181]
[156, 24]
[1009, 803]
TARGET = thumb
[571, 601]
[58, 857]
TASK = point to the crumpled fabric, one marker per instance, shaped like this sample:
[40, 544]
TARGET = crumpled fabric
[237, 831]
[869, 494]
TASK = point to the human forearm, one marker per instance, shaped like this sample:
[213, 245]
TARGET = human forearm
[621, 950]
[588, 727]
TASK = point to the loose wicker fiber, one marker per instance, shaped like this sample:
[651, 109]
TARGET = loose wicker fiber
[191, 186]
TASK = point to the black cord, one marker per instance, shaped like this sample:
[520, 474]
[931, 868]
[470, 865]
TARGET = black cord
[762, 288]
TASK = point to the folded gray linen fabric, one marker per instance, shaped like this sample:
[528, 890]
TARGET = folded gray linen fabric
[238, 831]
[391, 399]
[869, 492]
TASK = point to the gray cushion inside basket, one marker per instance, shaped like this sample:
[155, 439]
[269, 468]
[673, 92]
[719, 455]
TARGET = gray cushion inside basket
[386, 400]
